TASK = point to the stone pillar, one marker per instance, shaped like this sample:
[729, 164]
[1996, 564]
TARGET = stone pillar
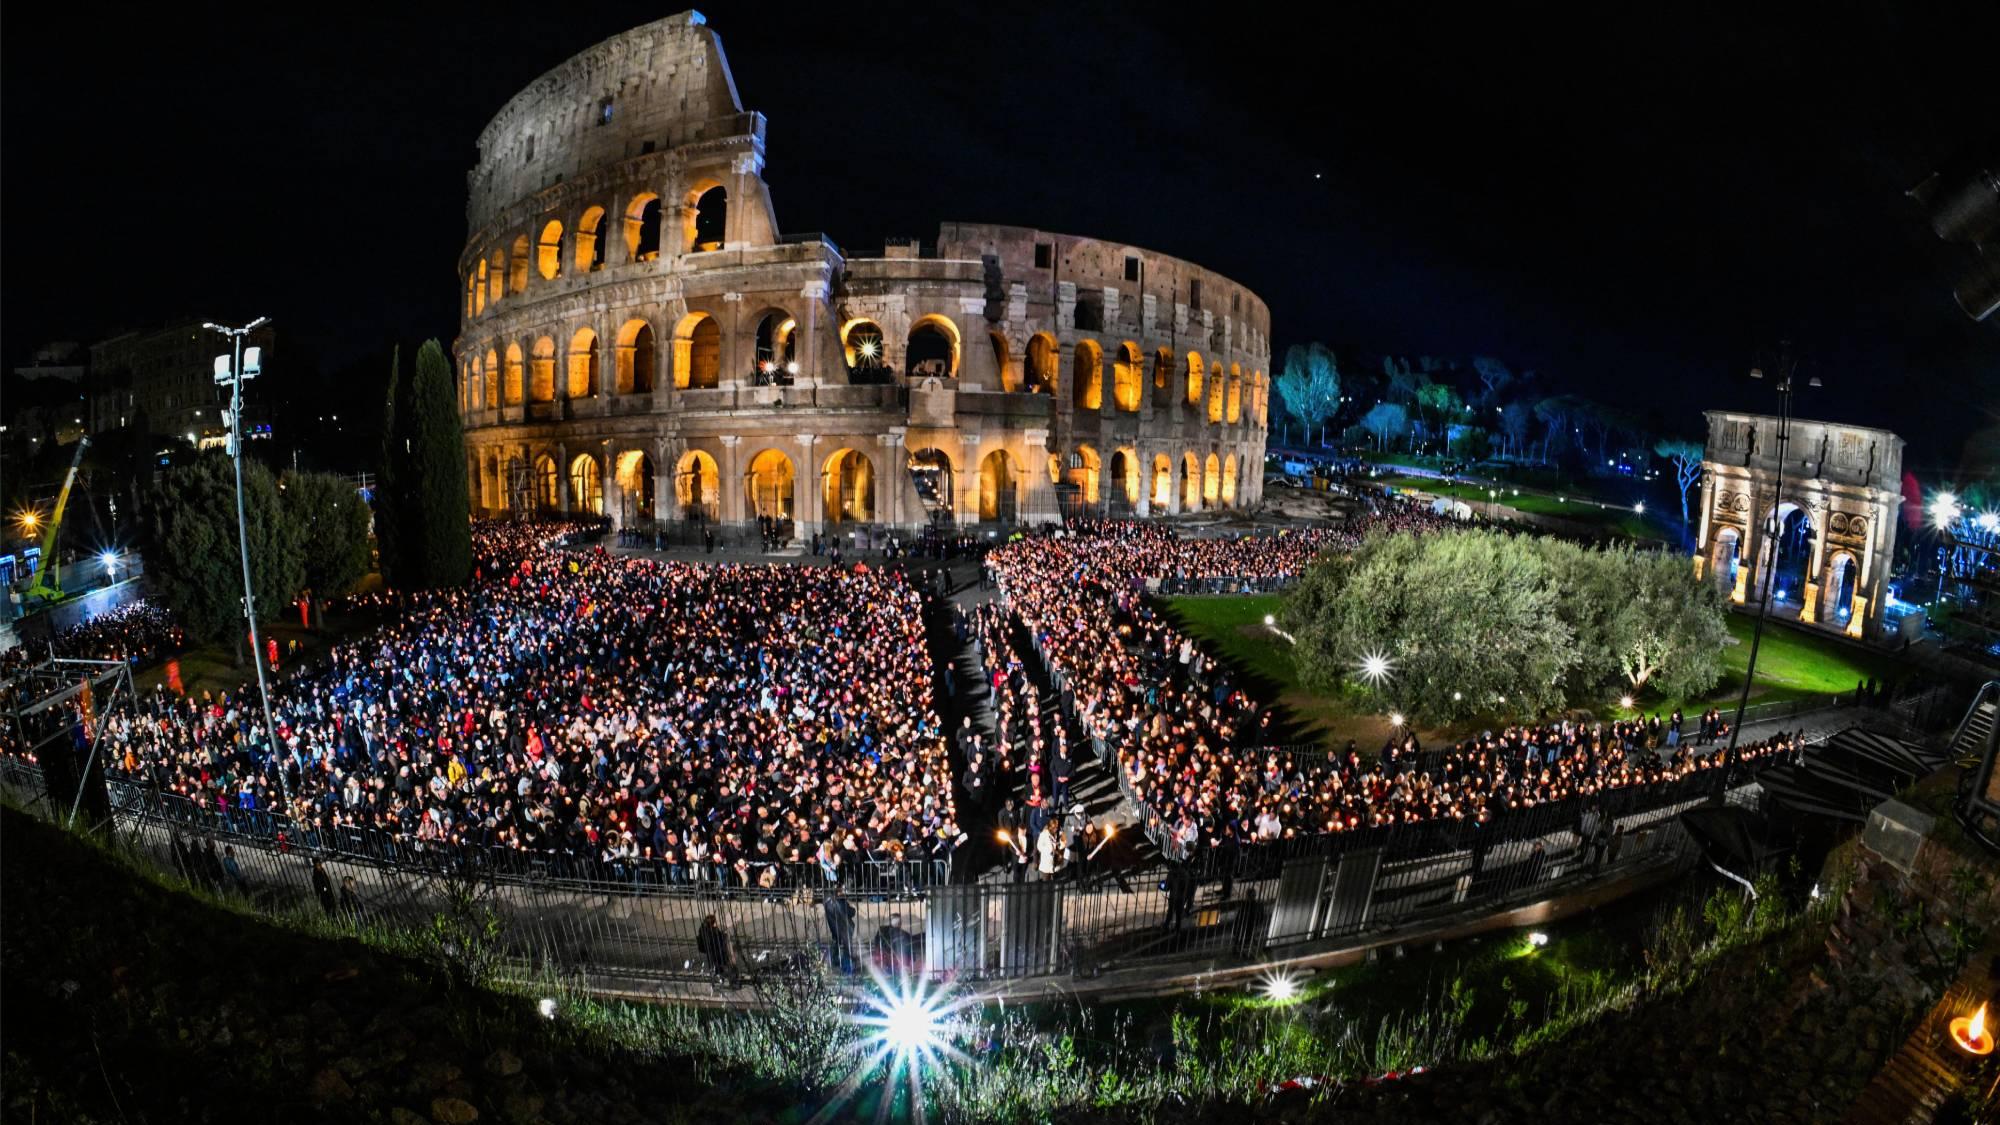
[1145, 507]
[1815, 570]
[665, 504]
[731, 484]
[562, 477]
[733, 362]
[814, 294]
[741, 170]
[965, 482]
[613, 492]
[894, 478]
[809, 489]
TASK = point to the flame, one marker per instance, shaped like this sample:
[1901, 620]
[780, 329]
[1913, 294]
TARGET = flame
[1976, 1030]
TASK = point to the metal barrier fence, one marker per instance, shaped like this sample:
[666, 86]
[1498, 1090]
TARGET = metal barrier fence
[1087, 921]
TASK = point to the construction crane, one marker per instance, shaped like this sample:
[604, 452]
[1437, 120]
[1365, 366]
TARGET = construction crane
[48, 585]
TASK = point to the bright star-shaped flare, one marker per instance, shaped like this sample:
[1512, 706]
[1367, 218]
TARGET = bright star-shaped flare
[1375, 668]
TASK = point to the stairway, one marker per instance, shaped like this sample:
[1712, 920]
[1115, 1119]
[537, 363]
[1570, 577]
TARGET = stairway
[1848, 774]
[1969, 744]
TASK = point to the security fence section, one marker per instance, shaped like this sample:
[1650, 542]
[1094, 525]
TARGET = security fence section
[573, 918]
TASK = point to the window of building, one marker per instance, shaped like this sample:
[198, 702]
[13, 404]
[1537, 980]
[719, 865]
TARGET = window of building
[647, 147]
[529, 155]
[1131, 269]
[1194, 294]
[605, 108]
[1044, 254]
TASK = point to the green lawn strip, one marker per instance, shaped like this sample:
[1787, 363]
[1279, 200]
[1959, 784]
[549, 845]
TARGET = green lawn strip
[1622, 520]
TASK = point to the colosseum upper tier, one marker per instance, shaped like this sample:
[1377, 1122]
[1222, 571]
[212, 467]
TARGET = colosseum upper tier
[641, 342]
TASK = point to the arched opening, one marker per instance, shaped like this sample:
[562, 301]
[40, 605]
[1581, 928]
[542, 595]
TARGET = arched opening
[1789, 554]
[1040, 375]
[1010, 380]
[777, 347]
[936, 484]
[1190, 483]
[1085, 467]
[544, 495]
[1217, 386]
[1233, 406]
[1727, 557]
[708, 214]
[1193, 379]
[697, 352]
[1211, 482]
[1087, 375]
[472, 305]
[642, 227]
[1163, 483]
[586, 485]
[489, 392]
[848, 487]
[470, 376]
[1055, 469]
[517, 266]
[698, 487]
[932, 350]
[866, 350]
[496, 279]
[1124, 480]
[491, 496]
[1263, 392]
[583, 364]
[1163, 367]
[1127, 375]
[636, 358]
[479, 288]
[548, 253]
[768, 486]
[999, 488]
[635, 486]
[511, 387]
[589, 246]
[542, 371]
[1229, 481]
[1837, 603]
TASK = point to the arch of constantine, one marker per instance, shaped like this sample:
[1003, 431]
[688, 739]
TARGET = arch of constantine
[639, 340]
[1824, 548]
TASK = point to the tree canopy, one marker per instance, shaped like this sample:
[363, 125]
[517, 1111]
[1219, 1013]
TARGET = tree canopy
[425, 517]
[193, 563]
[1477, 622]
[334, 521]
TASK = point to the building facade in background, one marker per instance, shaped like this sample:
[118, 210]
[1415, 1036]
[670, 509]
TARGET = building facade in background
[639, 341]
[162, 380]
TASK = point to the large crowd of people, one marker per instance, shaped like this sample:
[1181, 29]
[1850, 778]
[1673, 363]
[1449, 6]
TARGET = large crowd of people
[1197, 753]
[139, 632]
[745, 724]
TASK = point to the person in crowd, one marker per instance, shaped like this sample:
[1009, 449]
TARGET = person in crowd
[840, 928]
[712, 942]
[323, 887]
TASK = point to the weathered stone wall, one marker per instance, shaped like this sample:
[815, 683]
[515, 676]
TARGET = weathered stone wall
[625, 351]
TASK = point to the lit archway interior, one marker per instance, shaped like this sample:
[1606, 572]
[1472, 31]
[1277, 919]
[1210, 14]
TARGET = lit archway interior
[1127, 378]
[932, 350]
[697, 352]
[1163, 483]
[542, 371]
[1087, 375]
[999, 487]
[583, 371]
[548, 257]
[768, 485]
[635, 485]
[698, 486]
[586, 485]
[849, 487]
[637, 356]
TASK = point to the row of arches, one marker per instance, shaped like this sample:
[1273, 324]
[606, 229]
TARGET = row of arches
[847, 483]
[517, 374]
[551, 251]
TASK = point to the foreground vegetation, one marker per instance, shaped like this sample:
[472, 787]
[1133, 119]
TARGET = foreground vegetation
[209, 1011]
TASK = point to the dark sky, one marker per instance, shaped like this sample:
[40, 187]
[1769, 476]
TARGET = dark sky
[1630, 204]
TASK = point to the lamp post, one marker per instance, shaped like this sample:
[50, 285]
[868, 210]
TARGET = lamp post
[232, 370]
[1786, 369]
[1944, 513]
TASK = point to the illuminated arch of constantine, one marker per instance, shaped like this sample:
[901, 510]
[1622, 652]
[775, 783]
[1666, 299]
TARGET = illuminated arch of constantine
[639, 341]
[1823, 551]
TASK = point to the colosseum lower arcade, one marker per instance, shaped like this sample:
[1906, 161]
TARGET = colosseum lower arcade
[640, 342]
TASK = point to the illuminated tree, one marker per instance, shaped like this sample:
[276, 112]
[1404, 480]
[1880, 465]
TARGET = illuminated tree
[1309, 386]
[1686, 457]
[1385, 421]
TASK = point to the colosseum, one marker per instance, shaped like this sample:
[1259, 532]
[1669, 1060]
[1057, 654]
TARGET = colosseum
[641, 342]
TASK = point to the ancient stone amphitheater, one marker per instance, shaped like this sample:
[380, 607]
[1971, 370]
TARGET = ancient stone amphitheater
[640, 341]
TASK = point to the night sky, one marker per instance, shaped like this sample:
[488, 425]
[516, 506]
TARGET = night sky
[1631, 209]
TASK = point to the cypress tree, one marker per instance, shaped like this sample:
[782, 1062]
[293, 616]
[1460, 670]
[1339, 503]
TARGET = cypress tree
[436, 523]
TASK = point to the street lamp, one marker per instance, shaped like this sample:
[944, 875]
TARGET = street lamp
[231, 370]
[1785, 369]
[1945, 511]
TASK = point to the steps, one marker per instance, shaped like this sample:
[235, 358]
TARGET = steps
[1848, 774]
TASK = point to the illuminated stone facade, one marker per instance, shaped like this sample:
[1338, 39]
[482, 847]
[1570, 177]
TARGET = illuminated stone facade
[1847, 482]
[638, 339]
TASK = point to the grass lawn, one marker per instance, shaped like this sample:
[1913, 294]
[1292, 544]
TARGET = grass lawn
[1791, 664]
[1621, 520]
[213, 667]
